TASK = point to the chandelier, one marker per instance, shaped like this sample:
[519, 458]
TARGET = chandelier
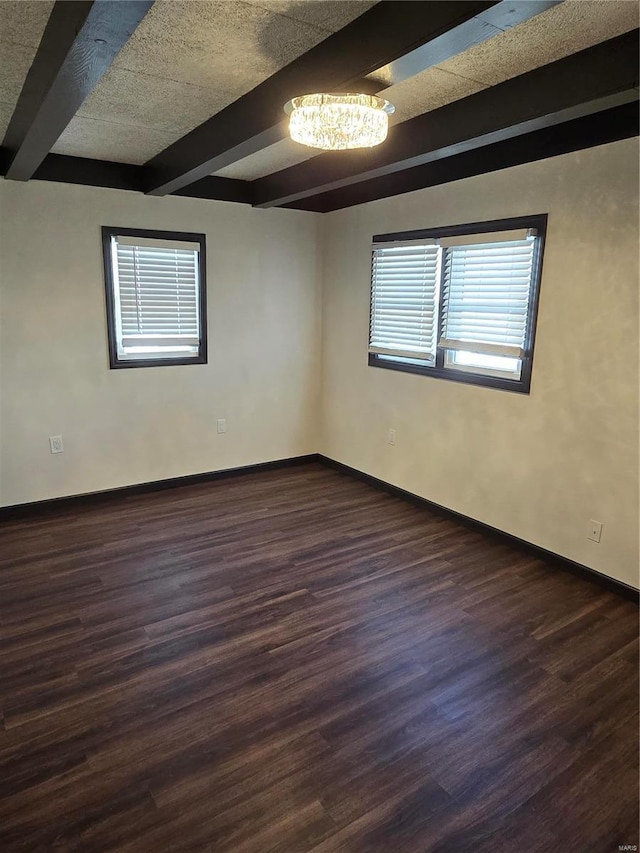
[336, 122]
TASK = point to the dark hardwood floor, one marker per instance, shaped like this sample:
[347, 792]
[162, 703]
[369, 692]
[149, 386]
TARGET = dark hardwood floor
[295, 661]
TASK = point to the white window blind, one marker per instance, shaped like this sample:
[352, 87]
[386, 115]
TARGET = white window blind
[486, 297]
[404, 300]
[156, 297]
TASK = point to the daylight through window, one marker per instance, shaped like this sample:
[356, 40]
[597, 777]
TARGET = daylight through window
[155, 297]
[458, 303]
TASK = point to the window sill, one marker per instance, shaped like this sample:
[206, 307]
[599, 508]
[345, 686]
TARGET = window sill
[518, 386]
[117, 363]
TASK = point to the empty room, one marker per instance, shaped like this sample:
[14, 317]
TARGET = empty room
[319, 433]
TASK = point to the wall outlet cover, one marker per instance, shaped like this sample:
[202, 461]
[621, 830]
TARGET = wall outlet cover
[595, 530]
[55, 444]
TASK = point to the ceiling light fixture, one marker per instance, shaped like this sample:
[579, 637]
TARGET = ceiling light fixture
[336, 122]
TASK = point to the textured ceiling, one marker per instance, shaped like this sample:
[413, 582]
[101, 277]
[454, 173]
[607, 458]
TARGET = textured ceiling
[572, 26]
[565, 29]
[188, 60]
[21, 26]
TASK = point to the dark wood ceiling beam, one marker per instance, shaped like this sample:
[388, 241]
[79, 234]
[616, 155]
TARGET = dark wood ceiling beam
[79, 43]
[217, 188]
[124, 176]
[597, 79]
[61, 168]
[500, 17]
[410, 35]
[598, 129]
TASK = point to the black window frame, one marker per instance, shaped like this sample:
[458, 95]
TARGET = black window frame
[115, 363]
[522, 385]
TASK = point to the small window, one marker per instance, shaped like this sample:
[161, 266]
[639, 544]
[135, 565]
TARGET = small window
[156, 297]
[459, 302]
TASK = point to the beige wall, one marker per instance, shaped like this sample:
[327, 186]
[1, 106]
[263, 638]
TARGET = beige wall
[136, 425]
[538, 466]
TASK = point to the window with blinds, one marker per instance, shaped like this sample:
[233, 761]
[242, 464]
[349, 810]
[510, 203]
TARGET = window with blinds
[457, 303]
[155, 297]
[404, 300]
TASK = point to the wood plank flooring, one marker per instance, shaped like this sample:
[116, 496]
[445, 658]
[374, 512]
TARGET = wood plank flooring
[295, 661]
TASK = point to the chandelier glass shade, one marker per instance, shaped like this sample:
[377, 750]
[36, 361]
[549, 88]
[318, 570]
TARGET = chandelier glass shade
[336, 122]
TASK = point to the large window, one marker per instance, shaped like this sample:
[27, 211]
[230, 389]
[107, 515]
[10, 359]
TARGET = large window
[156, 297]
[459, 302]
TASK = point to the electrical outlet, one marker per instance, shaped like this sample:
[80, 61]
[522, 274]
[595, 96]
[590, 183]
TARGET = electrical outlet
[391, 437]
[222, 425]
[55, 444]
[595, 530]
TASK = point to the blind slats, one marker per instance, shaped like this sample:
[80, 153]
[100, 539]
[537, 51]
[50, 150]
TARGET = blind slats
[486, 288]
[404, 300]
[144, 244]
[157, 294]
[486, 297]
